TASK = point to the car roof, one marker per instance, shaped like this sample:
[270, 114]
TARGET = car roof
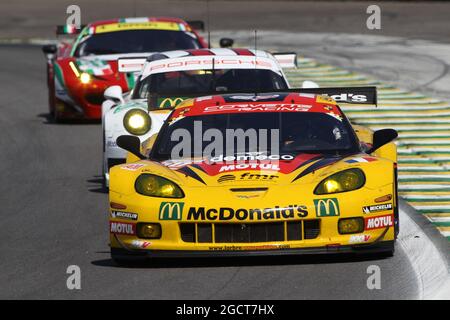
[262, 102]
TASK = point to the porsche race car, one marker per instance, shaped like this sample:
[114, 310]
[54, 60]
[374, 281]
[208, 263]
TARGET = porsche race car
[167, 78]
[78, 72]
[322, 186]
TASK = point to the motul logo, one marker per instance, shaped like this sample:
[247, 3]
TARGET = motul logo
[122, 228]
[379, 222]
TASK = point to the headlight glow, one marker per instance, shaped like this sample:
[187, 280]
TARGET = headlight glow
[137, 122]
[85, 78]
[343, 181]
[155, 186]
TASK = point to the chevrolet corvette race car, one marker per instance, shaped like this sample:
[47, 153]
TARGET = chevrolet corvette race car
[320, 186]
[78, 72]
[167, 78]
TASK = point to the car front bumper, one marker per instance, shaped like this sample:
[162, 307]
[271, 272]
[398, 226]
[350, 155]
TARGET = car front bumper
[379, 247]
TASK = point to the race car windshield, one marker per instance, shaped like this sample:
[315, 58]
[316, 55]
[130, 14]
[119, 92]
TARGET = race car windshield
[275, 132]
[134, 41]
[200, 81]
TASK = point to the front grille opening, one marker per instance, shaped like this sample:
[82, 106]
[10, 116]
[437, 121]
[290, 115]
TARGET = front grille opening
[187, 232]
[311, 229]
[250, 232]
[294, 230]
[204, 231]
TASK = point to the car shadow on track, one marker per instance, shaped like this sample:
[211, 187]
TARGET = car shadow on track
[97, 185]
[159, 263]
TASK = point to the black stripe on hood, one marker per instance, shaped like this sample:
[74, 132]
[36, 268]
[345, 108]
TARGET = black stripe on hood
[191, 173]
[319, 164]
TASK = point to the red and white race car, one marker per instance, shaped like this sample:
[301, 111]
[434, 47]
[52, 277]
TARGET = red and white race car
[79, 71]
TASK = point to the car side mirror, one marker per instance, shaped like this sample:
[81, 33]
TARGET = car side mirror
[131, 144]
[226, 42]
[114, 93]
[49, 49]
[382, 137]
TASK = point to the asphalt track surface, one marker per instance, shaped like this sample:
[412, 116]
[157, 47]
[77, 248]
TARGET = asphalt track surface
[54, 214]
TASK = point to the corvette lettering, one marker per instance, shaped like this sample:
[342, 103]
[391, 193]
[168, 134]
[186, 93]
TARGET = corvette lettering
[225, 214]
[379, 222]
[258, 107]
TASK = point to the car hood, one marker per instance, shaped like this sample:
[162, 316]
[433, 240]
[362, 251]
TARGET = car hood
[303, 169]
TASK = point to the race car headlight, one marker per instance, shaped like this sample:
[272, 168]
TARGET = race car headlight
[343, 181]
[149, 230]
[137, 122]
[85, 78]
[350, 225]
[155, 186]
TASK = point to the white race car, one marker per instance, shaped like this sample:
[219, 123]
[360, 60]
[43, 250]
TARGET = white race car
[169, 77]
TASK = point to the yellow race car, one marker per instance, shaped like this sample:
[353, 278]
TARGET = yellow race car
[310, 182]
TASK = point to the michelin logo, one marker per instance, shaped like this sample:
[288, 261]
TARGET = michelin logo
[377, 208]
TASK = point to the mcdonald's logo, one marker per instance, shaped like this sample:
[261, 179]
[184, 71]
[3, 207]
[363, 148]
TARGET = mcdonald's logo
[170, 103]
[327, 207]
[171, 210]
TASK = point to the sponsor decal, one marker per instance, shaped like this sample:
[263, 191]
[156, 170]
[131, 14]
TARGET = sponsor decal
[360, 160]
[377, 208]
[328, 207]
[360, 238]
[132, 166]
[258, 107]
[379, 222]
[170, 102]
[140, 244]
[171, 210]
[251, 157]
[226, 178]
[343, 97]
[239, 248]
[122, 228]
[225, 214]
[250, 166]
[248, 177]
[124, 215]
[151, 25]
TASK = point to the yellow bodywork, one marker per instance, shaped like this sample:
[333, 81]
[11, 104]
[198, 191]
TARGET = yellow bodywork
[297, 197]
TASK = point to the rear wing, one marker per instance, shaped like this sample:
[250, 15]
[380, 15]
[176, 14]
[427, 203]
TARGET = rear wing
[68, 29]
[351, 95]
[286, 59]
[131, 64]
